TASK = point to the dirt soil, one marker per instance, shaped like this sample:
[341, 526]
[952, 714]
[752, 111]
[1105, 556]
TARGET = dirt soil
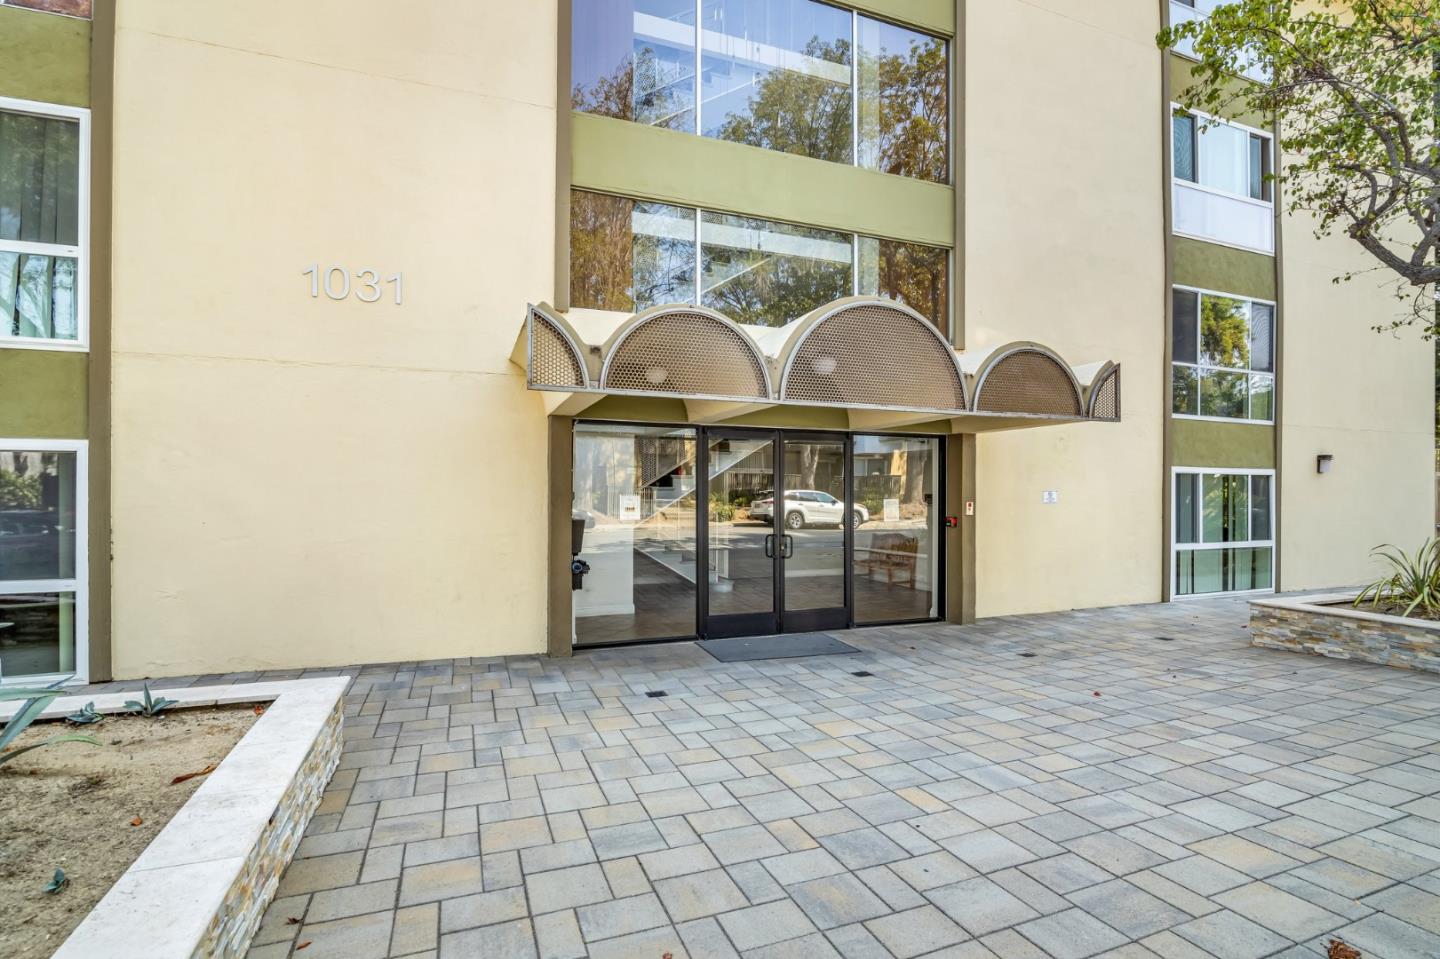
[71, 806]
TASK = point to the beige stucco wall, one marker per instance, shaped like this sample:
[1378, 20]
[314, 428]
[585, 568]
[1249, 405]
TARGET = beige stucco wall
[1364, 397]
[300, 481]
[1064, 246]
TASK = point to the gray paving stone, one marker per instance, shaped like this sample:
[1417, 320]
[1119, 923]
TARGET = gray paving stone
[440, 880]
[566, 888]
[1386, 936]
[860, 848]
[765, 924]
[980, 906]
[1230, 936]
[1073, 934]
[932, 870]
[916, 931]
[699, 894]
[987, 850]
[513, 940]
[621, 917]
[837, 900]
[482, 909]
[1128, 909]
[743, 844]
[354, 937]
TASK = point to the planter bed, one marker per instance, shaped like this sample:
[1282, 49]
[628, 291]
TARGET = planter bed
[1326, 624]
[200, 887]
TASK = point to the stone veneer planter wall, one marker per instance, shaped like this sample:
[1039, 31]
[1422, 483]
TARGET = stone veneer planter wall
[1312, 624]
[201, 887]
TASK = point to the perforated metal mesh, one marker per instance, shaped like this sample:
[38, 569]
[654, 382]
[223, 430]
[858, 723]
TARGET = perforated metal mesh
[1105, 401]
[1028, 381]
[875, 355]
[553, 362]
[686, 353]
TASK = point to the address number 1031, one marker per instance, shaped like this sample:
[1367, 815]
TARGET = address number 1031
[368, 286]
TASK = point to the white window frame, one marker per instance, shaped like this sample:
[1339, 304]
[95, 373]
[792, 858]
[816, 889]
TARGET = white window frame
[80, 584]
[1178, 547]
[80, 253]
[1204, 119]
[1200, 368]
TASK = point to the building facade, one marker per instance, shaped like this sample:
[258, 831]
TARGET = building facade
[335, 333]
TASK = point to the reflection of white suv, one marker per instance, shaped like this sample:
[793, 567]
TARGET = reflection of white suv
[807, 507]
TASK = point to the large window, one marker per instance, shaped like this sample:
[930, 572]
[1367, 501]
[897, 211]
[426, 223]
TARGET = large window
[1223, 186]
[1223, 531]
[778, 74]
[42, 559]
[629, 255]
[43, 155]
[634, 487]
[896, 561]
[1224, 356]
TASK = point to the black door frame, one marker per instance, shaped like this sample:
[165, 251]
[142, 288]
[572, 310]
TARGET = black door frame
[778, 619]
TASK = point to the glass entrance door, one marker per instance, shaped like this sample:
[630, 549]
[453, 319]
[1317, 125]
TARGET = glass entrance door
[776, 533]
[815, 524]
[741, 542]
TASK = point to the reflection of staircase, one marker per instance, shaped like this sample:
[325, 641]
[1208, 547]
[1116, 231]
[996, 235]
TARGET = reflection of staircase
[657, 464]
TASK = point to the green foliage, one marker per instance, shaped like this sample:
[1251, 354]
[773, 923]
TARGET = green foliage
[35, 701]
[19, 492]
[149, 706]
[1412, 584]
[84, 716]
[721, 511]
[1356, 89]
[60, 881]
[796, 112]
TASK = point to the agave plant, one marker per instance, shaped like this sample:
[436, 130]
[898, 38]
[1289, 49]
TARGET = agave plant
[35, 702]
[1413, 582]
[151, 706]
[85, 715]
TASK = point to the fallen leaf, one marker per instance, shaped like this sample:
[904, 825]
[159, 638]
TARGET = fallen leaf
[204, 772]
[303, 944]
[666, 956]
[1097, 694]
[292, 921]
[259, 710]
[1341, 950]
[136, 821]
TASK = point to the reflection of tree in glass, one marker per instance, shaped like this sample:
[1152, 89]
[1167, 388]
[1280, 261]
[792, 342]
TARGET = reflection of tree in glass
[904, 111]
[770, 289]
[918, 276]
[601, 264]
[644, 87]
[796, 112]
[1224, 339]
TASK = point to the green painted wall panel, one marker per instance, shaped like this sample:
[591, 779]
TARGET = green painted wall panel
[618, 156]
[44, 57]
[1238, 445]
[934, 16]
[1224, 269]
[1181, 71]
[43, 394]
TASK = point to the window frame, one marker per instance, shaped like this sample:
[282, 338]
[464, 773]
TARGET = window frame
[79, 586]
[1203, 120]
[944, 327]
[81, 252]
[1177, 547]
[1201, 368]
[855, 14]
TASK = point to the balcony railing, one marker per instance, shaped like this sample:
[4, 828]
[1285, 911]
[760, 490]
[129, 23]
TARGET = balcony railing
[1207, 214]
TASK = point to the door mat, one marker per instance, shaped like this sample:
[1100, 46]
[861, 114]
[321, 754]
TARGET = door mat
[789, 646]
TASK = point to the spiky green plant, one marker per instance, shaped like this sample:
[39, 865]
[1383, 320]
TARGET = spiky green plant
[85, 715]
[60, 881]
[151, 706]
[1413, 582]
[36, 700]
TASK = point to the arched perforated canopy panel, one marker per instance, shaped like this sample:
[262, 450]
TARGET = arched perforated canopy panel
[864, 352]
[874, 357]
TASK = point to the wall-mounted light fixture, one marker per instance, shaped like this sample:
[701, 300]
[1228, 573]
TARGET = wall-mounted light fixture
[1324, 462]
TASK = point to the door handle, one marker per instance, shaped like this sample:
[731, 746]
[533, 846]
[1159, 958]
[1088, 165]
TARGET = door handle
[789, 547]
[769, 545]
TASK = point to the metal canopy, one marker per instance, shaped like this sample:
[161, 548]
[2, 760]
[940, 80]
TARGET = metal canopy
[882, 362]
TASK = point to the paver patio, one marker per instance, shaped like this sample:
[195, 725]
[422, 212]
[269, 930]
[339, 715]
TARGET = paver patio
[1128, 782]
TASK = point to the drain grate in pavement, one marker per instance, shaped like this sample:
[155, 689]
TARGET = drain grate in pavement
[657, 694]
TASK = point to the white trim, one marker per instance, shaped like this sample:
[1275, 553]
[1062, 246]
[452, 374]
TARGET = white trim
[1176, 547]
[1201, 369]
[1220, 419]
[80, 253]
[79, 585]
